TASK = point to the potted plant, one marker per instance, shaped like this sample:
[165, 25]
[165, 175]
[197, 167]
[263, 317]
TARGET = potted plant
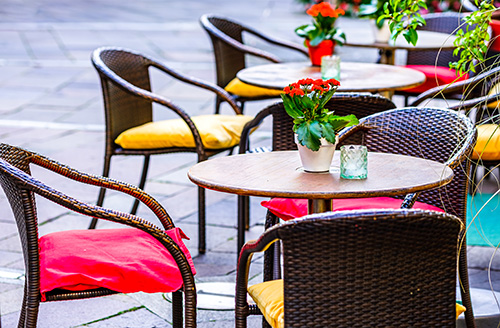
[322, 35]
[315, 126]
[375, 11]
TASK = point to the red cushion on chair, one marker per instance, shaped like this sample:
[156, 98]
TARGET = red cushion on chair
[495, 35]
[435, 76]
[288, 209]
[123, 260]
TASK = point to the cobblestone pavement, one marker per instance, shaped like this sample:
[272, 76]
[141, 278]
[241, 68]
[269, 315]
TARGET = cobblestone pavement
[50, 102]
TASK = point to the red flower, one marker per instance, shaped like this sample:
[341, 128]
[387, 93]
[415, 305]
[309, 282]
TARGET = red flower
[333, 81]
[325, 9]
[297, 92]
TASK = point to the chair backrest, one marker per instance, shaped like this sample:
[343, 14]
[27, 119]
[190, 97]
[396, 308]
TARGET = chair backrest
[447, 22]
[360, 105]
[13, 162]
[386, 268]
[228, 59]
[437, 134]
[123, 110]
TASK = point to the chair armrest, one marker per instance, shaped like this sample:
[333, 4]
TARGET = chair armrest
[467, 105]
[108, 183]
[200, 83]
[276, 41]
[245, 134]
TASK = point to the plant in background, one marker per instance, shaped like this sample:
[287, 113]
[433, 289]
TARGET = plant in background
[323, 27]
[305, 102]
[375, 9]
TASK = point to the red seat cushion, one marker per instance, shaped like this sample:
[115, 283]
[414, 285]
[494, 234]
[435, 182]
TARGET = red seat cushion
[435, 76]
[123, 260]
[495, 35]
[288, 209]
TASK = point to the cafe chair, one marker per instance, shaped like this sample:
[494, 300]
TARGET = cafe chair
[438, 134]
[130, 129]
[370, 268]
[78, 264]
[435, 63]
[229, 48]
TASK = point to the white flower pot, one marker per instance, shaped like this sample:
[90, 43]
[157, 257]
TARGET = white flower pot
[317, 161]
[382, 35]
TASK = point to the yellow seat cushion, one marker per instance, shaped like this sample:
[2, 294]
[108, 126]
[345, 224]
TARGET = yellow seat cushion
[488, 142]
[269, 298]
[493, 91]
[236, 87]
[216, 131]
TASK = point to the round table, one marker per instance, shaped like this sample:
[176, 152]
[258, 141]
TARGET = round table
[427, 40]
[354, 77]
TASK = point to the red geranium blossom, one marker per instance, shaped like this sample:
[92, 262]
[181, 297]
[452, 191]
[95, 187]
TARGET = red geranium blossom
[325, 9]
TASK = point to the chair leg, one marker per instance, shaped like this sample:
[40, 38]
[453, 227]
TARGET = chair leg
[202, 245]
[243, 213]
[464, 287]
[272, 256]
[29, 313]
[102, 192]
[218, 102]
[177, 309]
[142, 183]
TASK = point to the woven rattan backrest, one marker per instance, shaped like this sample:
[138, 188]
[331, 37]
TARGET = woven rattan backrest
[123, 110]
[448, 23]
[360, 105]
[22, 202]
[228, 60]
[430, 133]
[370, 269]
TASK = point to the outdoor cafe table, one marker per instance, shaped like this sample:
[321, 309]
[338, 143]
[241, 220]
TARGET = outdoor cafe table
[427, 40]
[279, 174]
[354, 77]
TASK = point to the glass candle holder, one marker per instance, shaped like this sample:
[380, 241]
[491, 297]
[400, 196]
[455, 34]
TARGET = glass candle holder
[330, 67]
[353, 162]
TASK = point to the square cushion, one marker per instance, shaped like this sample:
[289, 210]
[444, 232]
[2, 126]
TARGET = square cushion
[289, 208]
[269, 298]
[434, 76]
[236, 87]
[216, 131]
[123, 260]
[488, 143]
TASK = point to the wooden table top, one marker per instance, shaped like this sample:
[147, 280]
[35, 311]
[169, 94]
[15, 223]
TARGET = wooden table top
[354, 77]
[279, 174]
[427, 40]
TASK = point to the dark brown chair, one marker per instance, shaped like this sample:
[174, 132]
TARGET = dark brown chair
[435, 62]
[361, 105]
[230, 49]
[128, 103]
[21, 188]
[371, 268]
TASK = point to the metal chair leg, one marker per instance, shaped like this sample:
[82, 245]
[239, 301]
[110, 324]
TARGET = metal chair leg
[464, 287]
[142, 182]
[243, 218]
[202, 245]
[177, 309]
[272, 256]
[102, 192]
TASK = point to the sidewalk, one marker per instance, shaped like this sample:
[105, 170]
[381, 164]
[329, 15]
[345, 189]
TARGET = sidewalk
[51, 103]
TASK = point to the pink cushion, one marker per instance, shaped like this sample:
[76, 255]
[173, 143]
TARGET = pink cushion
[495, 35]
[123, 260]
[435, 76]
[288, 209]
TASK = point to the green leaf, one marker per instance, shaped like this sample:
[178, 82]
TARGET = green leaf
[328, 132]
[307, 102]
[290, 107]
[308, 134]
[340, 122]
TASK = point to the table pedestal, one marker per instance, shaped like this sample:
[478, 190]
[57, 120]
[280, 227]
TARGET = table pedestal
[319, 206]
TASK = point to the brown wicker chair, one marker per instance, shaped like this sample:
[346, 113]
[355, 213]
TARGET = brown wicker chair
[128, 101]
[371, 268]
[21, 188]
[282, 134]
[230, 50]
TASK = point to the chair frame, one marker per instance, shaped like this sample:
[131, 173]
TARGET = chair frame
[229, 51]
[307, 281]
[20, 188]
[140, 105]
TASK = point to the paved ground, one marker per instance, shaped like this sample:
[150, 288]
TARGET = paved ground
[50, 102]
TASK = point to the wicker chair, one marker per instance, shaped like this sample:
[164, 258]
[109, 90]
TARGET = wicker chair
[450, 23]
[437, 134]
[128, 101]
[371, 268]
[230, 50]
[282, 134]
[21, 188]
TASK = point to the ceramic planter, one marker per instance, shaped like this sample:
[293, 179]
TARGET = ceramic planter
[316, 161]
[325, 48]
[382, 35]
